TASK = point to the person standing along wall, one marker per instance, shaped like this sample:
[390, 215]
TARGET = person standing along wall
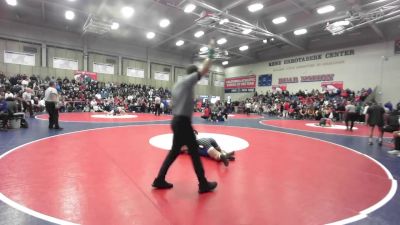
[375, 117]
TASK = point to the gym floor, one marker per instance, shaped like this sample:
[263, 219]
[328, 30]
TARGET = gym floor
[100, 172]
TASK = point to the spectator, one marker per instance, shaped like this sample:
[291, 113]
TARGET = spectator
[4, 116]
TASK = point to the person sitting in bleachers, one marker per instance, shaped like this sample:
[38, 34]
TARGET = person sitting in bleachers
[396, 139]
[393, 120]
[4, 117]
[206, 113]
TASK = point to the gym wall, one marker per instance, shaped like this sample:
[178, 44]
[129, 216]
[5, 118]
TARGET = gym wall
[105, 61]
[67, 45]
[20, 47]
[61, 53]
[370, 66]
[134, 64]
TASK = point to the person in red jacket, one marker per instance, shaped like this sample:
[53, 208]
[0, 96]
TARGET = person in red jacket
[206, 113]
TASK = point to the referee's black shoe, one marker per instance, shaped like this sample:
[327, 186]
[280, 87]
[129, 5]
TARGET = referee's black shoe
[207, 187]
[161, 184]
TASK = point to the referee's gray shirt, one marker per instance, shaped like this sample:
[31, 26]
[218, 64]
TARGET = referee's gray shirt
[183, 95]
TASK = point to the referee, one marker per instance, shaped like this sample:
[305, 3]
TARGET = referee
[182, 109]
[51, 100]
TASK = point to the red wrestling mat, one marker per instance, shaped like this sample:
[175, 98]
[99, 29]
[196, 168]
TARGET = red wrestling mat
[360, 130]
[235, 116]
[104, 176]
[105, 118]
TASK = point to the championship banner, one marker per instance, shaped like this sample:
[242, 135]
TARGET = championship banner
[20, 58]
[265, 80]
[332, 85]
[66, 64]
[240, 84]
[161, 76]
[134, 72]
[85, 74]
[103, 68]
[279, 87]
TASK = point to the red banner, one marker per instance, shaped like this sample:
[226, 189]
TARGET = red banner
[84, 74]
[332, 85]
[282, 87]
[241, 82]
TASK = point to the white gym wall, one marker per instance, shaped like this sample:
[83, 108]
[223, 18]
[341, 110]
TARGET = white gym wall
[370, 66]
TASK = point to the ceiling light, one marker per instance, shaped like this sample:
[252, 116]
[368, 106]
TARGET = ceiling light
[180, 43]
[71, 0]
[341, 23]
[255, 7]
[225, 63]
[244, 48]
[326, 9]
[272, 39]
[150, 35]
[204, 49]
[69, 15]
[246, 31]
[199, 33]
[300, 32]
[114, 26]
[127, 11]
[189, 8]
[221, 41]
[265, 41]
[279, 20]
[164, 23]
[12, 2]
[223, 21]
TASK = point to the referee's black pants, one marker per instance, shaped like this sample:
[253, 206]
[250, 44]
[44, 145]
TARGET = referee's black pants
[53, 114]
[183, 135]
[157, 109]
[350, 117]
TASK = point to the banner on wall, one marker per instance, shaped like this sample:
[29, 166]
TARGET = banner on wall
[65, 64]
[308, 78]
[397, 46]
[316, 57]
[279, 87]
[135, 72]
[332, 85]
[203, 81]
[103, 68]
[20, 58]
[240, 84]
[265, 80]
[161, 76]
[83, 75]
[219, 80]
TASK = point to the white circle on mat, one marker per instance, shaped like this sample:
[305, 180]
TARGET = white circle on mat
[335, 127]
[227, 143]
[106, 116]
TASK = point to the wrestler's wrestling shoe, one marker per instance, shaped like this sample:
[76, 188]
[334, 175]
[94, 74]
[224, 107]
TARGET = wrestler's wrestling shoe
[161, 184]
[207, 187]
[224, 159]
